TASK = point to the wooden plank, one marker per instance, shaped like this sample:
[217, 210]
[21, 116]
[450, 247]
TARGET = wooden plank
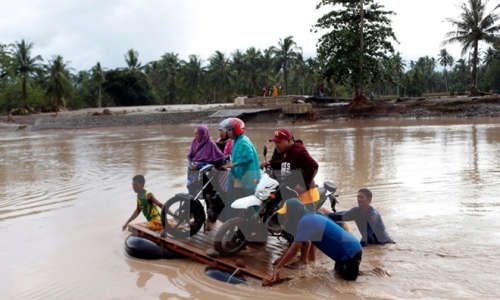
[258, 259]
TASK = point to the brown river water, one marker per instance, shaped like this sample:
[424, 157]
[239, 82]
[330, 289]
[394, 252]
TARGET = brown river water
[64, 196]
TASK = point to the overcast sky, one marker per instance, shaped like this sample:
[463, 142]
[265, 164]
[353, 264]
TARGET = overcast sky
[87, 31]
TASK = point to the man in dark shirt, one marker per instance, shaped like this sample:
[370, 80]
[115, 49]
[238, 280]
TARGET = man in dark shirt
[296, 165]
[293, 157]
[367, 218]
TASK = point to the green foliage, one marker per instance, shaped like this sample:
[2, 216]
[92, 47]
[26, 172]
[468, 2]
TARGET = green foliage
[492, 75]
[285, 55]
[127, 88]
[473, 26]
[58, 84]
[220, 75]
[24, 65]
[352, 56]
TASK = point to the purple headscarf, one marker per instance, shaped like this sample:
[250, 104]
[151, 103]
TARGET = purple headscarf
[206, 150]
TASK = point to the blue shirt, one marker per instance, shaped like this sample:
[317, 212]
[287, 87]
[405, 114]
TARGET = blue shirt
[330, 238]
[369, 223]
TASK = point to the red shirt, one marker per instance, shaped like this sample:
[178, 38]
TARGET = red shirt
[295, 158]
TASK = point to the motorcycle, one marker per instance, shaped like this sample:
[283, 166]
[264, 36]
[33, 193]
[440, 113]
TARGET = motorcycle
[183, 215]
[259, 213]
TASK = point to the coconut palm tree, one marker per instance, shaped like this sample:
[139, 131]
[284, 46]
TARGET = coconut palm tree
[285, 54]
[270, 65]
[489, 56]
[473, 26]
[312, 72]
[193, 75]
[219, 73]
[238, 65]
[132, 60]
[24, 65]
[5, 60]
[300, 72]
[462, 71]
[97, 80]
[134, 66]
[58, 82]
[397, 67]
[170, 66]
[445, 59]
[254, 76]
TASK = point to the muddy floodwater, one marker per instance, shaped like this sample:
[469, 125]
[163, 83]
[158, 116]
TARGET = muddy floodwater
[64, 196]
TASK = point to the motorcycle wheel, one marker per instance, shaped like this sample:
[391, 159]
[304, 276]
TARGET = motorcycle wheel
[182, 216]
[230, 238]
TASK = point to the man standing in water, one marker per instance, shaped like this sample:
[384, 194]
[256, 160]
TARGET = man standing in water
[294, 158]
[367, 218]
[330, 238]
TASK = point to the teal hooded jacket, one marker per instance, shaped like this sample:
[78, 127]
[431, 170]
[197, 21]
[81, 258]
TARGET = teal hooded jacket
[246, 160]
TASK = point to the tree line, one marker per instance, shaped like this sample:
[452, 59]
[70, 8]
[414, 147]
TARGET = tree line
[354, 55]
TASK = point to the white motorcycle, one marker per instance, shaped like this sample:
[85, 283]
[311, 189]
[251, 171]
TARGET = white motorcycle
[259, 217]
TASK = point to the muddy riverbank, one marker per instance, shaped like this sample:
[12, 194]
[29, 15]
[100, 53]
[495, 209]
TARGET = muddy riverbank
[459, 107]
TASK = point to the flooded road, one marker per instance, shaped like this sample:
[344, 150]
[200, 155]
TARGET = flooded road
[64, 196]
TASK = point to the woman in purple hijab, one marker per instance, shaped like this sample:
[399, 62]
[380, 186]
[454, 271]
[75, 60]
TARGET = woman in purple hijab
[203, 151]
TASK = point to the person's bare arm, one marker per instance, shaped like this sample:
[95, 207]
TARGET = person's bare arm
[153, 199]
[134, 215]
[289, 255]
[324, 211]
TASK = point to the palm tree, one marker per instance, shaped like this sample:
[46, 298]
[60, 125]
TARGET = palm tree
[488, 56]
[238, 65]
[58, 82]
[24, 65]
[4, 61]
[398, 68]
[97, 80]
[473, 26]
[269, 64]
[192, 75]
[253, 72]
[134, 66]
[445, 59]
[132, 60]
[462, 71]
[219, 73]
[285, 54]
[170, 69]
[312, 71]
[300, 72]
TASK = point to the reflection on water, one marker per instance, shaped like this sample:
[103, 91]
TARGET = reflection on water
[64, 196]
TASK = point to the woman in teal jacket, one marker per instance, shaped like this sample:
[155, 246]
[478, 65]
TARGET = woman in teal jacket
[244, 165]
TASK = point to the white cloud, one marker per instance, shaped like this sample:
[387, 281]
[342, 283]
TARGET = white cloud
[85, 32]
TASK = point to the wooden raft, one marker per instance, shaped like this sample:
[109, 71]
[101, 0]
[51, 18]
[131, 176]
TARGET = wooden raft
[258, 259]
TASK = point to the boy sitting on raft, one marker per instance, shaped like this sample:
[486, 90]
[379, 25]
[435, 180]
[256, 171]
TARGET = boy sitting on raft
[147, 203]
